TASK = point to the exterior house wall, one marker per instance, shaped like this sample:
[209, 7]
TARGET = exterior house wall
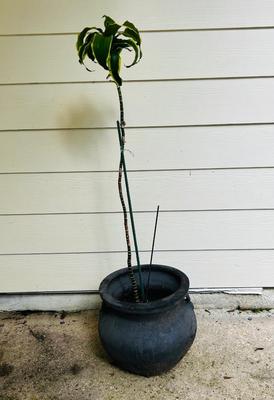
[200, 134]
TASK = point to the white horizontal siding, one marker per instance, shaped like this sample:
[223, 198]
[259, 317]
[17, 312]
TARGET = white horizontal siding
[175, 190]
[47, 16]
[166, 55]
[69, 272]
[201, 144]
[148, 149]
[104, 232]
[161, 104]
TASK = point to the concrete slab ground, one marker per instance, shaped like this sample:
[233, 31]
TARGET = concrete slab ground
[50, 356]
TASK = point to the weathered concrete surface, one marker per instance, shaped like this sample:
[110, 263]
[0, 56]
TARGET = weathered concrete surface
[47, 356]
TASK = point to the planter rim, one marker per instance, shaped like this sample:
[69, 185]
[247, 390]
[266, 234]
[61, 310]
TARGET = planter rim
[150, 307]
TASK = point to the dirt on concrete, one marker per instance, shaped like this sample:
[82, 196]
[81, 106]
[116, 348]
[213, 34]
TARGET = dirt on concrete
[58, 356]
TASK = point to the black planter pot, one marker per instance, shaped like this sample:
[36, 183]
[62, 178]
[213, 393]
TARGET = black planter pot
[147, 338]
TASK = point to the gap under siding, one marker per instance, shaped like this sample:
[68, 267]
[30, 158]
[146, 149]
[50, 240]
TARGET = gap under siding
[79, 302]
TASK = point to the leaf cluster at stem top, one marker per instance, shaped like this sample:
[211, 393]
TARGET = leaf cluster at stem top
[105, 46]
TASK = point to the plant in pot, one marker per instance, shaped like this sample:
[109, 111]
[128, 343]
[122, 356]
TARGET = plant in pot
[147, 322]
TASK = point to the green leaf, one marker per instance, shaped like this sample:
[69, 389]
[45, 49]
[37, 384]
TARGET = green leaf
[86, 48]
[89, 52]
[133, 31]
[130, 25]
[132, 35]
[119, 43]
[114, 63]
[129, 43]
[82, 53]
[138, 53]
[88, 43]
[89, 38]
[80, 38]
[108, 21]
[82, 34]
[101, 46]
[112, 29]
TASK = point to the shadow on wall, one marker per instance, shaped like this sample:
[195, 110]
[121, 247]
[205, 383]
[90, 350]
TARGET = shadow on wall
[87, 148]
[91, 150]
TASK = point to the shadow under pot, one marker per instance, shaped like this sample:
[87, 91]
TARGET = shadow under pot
[147, 338]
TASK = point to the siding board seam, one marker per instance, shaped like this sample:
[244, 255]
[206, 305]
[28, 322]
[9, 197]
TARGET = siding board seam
[232, 168]
[141, 251]
[233, 28]
[139, 127]
[207, 78]
[137, 212]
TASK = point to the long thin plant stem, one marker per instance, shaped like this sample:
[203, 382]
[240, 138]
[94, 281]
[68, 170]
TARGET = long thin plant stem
[129, 264]
[121, 132]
